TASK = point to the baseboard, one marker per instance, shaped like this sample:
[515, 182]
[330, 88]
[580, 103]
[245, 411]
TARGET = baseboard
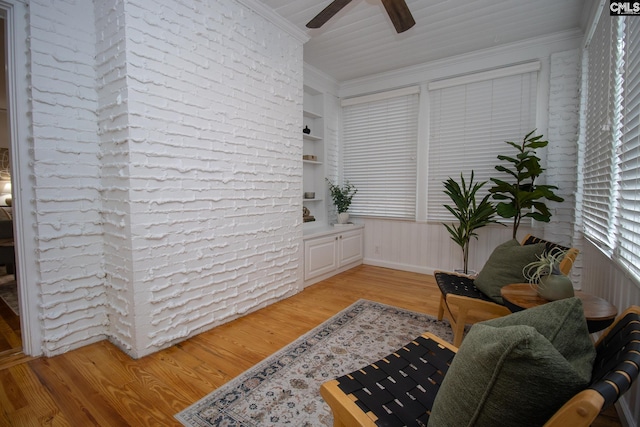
[399, 266]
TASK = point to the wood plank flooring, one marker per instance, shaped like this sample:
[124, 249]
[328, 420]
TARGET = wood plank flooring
[10, 337]
[98, 385]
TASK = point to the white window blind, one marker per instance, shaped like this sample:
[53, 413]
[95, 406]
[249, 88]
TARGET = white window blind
[380, 154]
[628, 215]
[599, 154]
[468, 126]
[611, 205]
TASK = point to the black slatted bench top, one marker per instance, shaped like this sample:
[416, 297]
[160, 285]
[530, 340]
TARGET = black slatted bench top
[400, 388]
[459, 285]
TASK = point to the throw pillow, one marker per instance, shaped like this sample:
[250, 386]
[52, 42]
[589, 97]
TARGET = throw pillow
[504, 267]
[517, 369]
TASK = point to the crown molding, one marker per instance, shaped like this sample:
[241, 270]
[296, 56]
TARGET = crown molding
[319, 79]
[273, 17]
[507, 54]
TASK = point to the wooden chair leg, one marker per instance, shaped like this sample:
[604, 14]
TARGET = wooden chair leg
[441, 307]
[458, 327]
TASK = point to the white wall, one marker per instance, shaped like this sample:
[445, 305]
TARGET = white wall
[426, 247]
[167, 200]
[113, 122]
[65, 168]
[215, 172]
[562, 134]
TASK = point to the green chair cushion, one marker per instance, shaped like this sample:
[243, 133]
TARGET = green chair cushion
[517, 370]
[504, 267]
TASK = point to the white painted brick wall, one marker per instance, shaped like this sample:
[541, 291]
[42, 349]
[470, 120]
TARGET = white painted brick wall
[166, 165]
[66, 174]
[113, 120]
[215, 108]
[562, 151]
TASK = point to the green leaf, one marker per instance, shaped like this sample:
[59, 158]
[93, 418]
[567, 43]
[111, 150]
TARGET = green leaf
[538, 216]
[506, 210]
[538, 144]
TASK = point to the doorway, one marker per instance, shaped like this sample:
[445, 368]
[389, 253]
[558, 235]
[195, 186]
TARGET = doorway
[10, 329]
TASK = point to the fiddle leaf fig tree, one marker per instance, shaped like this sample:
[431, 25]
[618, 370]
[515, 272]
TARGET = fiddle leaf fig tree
[520, 196]
[470, 214]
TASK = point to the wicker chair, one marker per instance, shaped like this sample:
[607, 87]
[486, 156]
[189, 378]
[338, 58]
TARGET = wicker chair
[357, 399]
[459, 296]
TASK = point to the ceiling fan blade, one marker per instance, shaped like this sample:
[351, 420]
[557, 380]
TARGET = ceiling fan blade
[327, 13]
[399, 14]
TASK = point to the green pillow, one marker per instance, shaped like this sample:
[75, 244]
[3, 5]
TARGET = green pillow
[518, 369]
[504, 267]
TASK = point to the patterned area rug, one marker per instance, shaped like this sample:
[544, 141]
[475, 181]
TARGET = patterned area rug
[9, 292]
[284, 389]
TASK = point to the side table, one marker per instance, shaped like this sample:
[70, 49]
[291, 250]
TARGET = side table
[598, 312]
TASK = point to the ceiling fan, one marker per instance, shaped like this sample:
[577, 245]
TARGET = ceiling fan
[397, 10]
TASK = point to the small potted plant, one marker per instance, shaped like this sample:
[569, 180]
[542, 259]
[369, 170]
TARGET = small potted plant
[545, 277]
[470, 214]
[342, 196]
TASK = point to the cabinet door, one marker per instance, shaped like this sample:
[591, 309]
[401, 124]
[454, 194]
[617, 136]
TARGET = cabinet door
[351, 247]
[320, 256]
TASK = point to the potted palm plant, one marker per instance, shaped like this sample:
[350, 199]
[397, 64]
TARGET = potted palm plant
[342, 196]
[521, 196]
[470, 214]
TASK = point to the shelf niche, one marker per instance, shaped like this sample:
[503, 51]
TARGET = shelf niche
[313, 144]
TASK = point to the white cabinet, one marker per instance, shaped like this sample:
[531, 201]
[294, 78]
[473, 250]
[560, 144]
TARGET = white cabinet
[320, 256]
[350, 247]
[332, 251]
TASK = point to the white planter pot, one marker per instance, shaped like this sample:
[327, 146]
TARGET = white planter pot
[343, 218]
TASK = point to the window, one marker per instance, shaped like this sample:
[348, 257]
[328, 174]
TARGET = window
[599, 154]
[380, 152]
[611, 205]
[628, 212]
[470, 119]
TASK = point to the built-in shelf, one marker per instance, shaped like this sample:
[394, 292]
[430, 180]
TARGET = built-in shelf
[313, 146]
[311, 114]
[311, 137]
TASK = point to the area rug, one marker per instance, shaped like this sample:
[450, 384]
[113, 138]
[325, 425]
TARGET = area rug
[9, 293]
[284, 389]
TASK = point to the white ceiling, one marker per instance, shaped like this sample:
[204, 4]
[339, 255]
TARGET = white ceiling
[360, 40]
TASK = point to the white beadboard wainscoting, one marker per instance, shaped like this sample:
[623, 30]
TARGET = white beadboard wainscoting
[424, 247]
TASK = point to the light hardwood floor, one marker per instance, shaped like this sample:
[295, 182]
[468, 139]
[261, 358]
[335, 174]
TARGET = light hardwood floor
[10, 336]
[98, 385]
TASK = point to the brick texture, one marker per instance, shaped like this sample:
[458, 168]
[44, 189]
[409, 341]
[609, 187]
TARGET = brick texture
[167, 166]
[562, 151]
[66, 174]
